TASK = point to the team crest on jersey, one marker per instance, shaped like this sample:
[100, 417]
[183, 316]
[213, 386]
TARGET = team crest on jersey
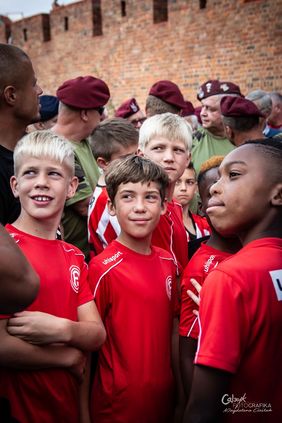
[74, 278]
[168, 284]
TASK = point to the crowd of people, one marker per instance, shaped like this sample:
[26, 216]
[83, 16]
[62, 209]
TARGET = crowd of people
[141, 260]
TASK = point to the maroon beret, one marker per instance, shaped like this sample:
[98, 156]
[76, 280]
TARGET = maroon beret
[238, 106]
[127, 108]
[84, 92]
[188, 110]
[230, 88]
[169, 92]
[216, 87]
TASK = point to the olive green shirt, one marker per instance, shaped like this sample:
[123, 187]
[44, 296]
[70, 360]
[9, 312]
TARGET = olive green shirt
[87, 172]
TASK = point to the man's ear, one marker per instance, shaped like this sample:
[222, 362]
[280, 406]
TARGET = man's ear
[276, 195]
[72, 187]
[102, 163]
[229, 133]
[111, 208]
[14, 186]
[9, 93]
[84, 115]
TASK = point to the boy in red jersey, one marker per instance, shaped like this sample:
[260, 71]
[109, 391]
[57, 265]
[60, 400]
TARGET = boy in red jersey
[42, 348]
[206, 258]
[237, 376]
[196, 226]
[112, 139]
[132, 281]
[166, 139]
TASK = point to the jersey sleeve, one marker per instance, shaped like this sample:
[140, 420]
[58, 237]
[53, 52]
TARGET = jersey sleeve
[100, 286]
[84, 293]
[188, 325]
[223, 321]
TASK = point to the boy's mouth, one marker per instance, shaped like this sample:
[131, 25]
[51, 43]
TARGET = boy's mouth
[41, 198]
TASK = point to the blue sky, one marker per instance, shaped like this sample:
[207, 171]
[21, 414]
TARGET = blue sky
[17, 9]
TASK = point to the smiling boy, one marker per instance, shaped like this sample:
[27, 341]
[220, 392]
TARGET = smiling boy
[41, 349]
[131, 281]
[240, 316]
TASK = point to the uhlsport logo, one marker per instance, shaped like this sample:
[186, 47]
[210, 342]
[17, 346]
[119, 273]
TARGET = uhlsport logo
[74, 278]
[168, 283]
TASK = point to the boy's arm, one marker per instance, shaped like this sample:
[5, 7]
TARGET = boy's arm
[205, 404]
[19, 283]
[39, 328]
[18, 354]
[187, 351]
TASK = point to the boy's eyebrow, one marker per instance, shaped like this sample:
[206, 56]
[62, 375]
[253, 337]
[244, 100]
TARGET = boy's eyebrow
[228, 164]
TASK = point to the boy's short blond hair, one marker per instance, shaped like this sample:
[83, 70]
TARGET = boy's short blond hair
[135, 169]
[166, 125]
[44, 144]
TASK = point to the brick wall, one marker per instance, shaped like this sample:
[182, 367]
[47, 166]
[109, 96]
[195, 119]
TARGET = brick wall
[238, 40]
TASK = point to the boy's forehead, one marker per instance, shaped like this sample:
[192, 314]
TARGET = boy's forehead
[135, 186]
[26, 160]
[164, 139]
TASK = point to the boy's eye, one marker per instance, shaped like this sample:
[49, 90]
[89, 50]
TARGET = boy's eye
[233, 174]
[178, 149]
[157, 148]
[152, 197]
[54, 173]
[29, 172]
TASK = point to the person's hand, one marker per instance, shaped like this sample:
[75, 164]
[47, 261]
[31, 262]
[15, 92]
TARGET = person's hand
[193, 296]
[37, 328]
[77, 363]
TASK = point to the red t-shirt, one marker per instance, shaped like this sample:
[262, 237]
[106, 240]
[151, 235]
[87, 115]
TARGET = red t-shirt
[241, 326]
[201, 264]
[49, 395]
[102, 227]
[133, 380]
[170, 234]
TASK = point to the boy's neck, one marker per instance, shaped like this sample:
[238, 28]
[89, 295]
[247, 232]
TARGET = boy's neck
[45, 229]
[170, 191]
[227, 245]
[141, 246]
[268, 227]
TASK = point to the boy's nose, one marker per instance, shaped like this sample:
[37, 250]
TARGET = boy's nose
[139, 205]
[41, 181]
[169, 156]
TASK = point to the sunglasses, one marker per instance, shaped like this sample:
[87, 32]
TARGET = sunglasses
[100, 110]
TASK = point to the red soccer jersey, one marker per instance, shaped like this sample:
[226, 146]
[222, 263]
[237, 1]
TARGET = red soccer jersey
[133, 380]
[170, 235]
[201, 226]
[49, 395]
[102, 228]
[241, 326]
[201, 264]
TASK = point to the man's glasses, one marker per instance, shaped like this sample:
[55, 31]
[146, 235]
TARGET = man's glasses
[100, 110]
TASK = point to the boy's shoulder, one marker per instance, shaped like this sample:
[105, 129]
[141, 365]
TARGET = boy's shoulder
[31, 242]
[115, 253]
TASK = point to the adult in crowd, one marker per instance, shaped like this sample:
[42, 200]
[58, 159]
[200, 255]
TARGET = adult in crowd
[274, 121]
[189, 114]
[49, 107]
[19, 106]
[130, 110]
[263, 102]
[82, 102]
[210, 140]
[241, 119]
[164, 96]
